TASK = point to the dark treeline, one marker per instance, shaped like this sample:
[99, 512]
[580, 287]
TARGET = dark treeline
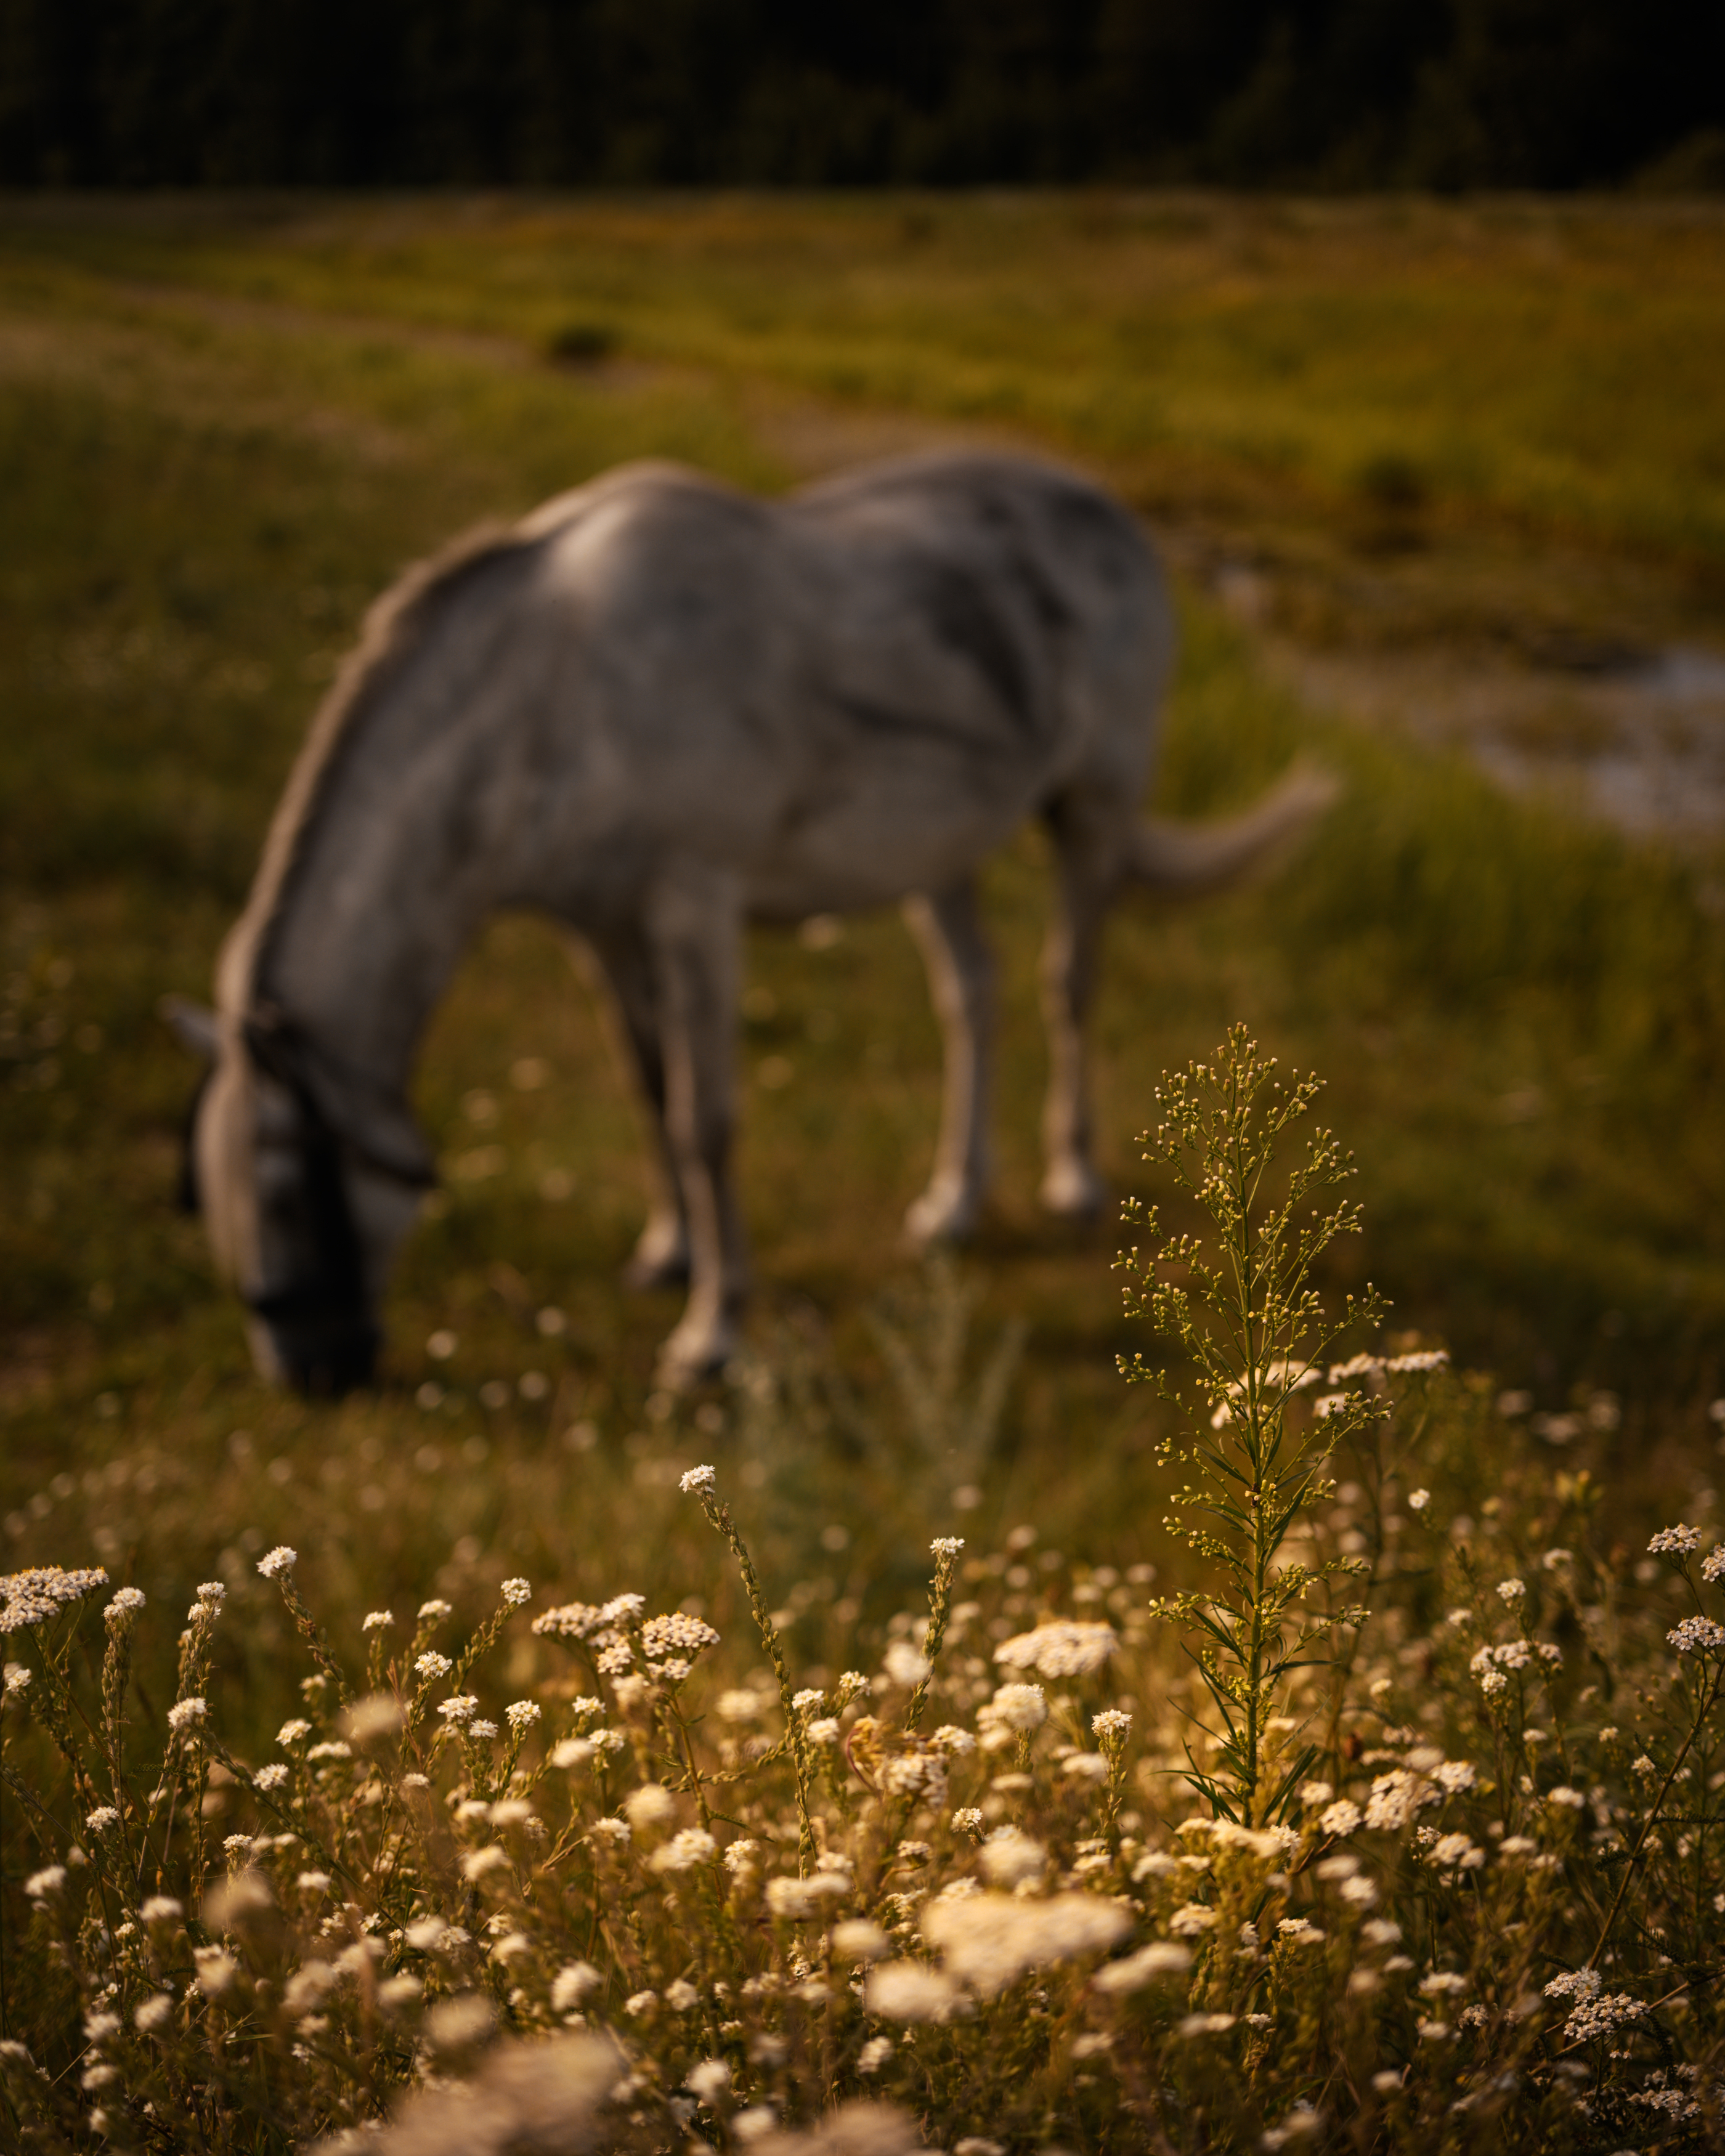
[1325, 93]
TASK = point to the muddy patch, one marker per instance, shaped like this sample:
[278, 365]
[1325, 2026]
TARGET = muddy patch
[1639, 742]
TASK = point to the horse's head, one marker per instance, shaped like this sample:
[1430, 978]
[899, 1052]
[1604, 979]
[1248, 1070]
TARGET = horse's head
[308, 1174]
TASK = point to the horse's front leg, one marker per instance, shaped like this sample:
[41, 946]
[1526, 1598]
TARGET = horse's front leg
[961, 978]
[695, 925]
[624, 958]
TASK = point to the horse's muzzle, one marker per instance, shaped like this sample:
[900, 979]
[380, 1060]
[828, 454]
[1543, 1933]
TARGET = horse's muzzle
[321, 1354]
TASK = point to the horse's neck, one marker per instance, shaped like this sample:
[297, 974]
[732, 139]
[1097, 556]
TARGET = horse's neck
[368, 926]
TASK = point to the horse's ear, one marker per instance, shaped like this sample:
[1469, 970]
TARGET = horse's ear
[193, 1025]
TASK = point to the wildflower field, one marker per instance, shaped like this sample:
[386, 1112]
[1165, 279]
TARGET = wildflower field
[1421, 1848]
[925, 1737]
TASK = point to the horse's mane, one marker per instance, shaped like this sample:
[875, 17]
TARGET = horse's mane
[391, 629]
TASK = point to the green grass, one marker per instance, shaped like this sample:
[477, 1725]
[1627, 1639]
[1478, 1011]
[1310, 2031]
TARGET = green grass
[1548, 363]
[222, 429]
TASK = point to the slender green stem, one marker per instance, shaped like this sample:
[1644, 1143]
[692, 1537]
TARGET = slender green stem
[718, 1515]
[940, 1605]
[1652, 1818]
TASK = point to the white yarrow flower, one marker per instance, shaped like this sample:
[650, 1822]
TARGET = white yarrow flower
[1020, 1706]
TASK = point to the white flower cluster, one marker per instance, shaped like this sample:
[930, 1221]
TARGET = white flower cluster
[796, 1900]
[1396, 1797]
[615, 1657]
[1015, 1710]
[1134, 1971]
[921, 1773]
[1675, 1541]
[29, 1599]
[684, 1850]
[569, 1620]
[905, 1664]
[671, 1644]
[1489, 1663]
[987, 1941]
[279, 1560]
[1417, 1362]
[1064, 1647]
[1601, 2016]
[696, 1480]
[1456, 1852]
[1697, 1635]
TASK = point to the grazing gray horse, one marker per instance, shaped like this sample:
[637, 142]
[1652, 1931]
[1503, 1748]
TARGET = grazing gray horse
[657, 709]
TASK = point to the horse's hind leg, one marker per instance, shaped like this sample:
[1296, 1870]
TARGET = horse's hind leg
[625, 960]
[695, 924]
[1089, 845]
[961, 978]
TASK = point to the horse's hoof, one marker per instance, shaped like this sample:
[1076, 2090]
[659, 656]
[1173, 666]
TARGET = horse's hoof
[1072, 1190]
[660, 1259]
[941, 1217]
[685, 1360]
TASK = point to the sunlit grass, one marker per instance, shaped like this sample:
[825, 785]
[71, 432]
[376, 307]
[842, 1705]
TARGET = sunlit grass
[1548, 362]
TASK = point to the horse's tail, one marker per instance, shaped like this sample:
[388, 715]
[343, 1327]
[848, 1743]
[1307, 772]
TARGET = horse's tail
[1182, 860]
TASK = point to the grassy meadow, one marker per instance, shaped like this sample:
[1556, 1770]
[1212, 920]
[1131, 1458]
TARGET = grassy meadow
[224, 426]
